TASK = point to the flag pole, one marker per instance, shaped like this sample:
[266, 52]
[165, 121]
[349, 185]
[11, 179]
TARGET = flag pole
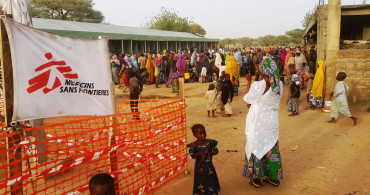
[14, 169]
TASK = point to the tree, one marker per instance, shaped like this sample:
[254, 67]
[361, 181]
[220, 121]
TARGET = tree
[72, 10]
[168, 19]
[227, 41]
[267, 40]
[307, 19]
[282, 40]
[197, 29]
[295, 35]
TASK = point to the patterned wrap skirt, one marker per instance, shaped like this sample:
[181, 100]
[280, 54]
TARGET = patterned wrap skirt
[269, 166]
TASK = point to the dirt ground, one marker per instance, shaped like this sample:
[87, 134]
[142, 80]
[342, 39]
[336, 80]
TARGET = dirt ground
[317, 157]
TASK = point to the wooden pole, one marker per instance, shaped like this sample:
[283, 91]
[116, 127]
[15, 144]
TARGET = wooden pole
[145, 47]
[122, 46]
[181, 88]
[131, 47]
[15, 169]
[112, 131]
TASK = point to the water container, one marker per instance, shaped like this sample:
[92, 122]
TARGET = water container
[327, 106]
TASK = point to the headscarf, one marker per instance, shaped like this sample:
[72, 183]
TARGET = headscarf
[181, 64]
[227, 59]
[231, 68]
[115, 59]
[268, 67]
[218, 59]
[159, 60]
[133, 63]
[288, 55]
[295, 78]
[283, 55]
[193, 57]
[149, 67]
[239, 58]
[318, 86]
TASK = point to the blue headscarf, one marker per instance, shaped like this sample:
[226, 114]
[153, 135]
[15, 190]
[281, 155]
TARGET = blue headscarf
[133, 63]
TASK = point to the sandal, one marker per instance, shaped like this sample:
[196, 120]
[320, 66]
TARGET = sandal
[256, 183]
[273, 182]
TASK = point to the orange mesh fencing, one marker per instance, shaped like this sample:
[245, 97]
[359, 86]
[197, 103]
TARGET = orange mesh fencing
[142, 150]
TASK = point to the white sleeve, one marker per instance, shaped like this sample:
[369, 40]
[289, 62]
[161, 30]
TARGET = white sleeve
[255, 92]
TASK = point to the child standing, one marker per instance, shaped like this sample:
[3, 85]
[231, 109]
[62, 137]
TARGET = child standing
[205, 177]
[293, 99]
[340, 104]
[211, 97]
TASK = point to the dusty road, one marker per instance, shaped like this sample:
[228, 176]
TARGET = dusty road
[329, 158]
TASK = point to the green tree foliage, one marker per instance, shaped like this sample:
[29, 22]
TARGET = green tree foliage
[291, 37]
[295, 35]
[168, 19]
[307, 18]
[72, 10]
[197, 29]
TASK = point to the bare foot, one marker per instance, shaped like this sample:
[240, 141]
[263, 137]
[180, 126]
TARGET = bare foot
[331, 121]
[354, 121]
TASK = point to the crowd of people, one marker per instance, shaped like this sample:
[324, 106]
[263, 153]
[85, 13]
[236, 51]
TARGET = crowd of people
[223, 68]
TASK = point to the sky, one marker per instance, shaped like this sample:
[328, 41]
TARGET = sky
[220, 19]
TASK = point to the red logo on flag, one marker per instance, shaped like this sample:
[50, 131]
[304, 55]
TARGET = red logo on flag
[50, 81]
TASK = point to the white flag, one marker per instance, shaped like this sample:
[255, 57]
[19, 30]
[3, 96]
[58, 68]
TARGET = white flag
[58, 76]
[19, 9]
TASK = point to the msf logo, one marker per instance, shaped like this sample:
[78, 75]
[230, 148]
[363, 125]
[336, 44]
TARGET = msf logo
[50, 79]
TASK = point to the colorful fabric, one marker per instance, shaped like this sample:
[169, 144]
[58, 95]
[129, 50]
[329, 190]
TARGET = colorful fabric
[283, 56]
[269, 166]
[318, 87]
[162, 74]
[149, 68]
[316, 102]
[205, 177]
[227, 57]
[268, 67]
[232, 68]
[181, 65]
[293, 105]
[301, 72]
[287, 57]
[159, 60]
[133, 63]
[295, 78]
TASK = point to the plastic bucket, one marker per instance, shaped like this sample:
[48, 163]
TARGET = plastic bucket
[187, 75]
[327, 106]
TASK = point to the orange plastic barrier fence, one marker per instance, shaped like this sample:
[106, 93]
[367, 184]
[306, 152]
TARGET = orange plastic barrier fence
[142, 149]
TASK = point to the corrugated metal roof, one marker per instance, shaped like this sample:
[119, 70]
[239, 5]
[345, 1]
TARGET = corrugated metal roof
[90, 30]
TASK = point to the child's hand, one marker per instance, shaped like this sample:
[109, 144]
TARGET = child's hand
[202, 153]
[331, 94]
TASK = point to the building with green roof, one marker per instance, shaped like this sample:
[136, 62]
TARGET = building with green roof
[126, 39]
